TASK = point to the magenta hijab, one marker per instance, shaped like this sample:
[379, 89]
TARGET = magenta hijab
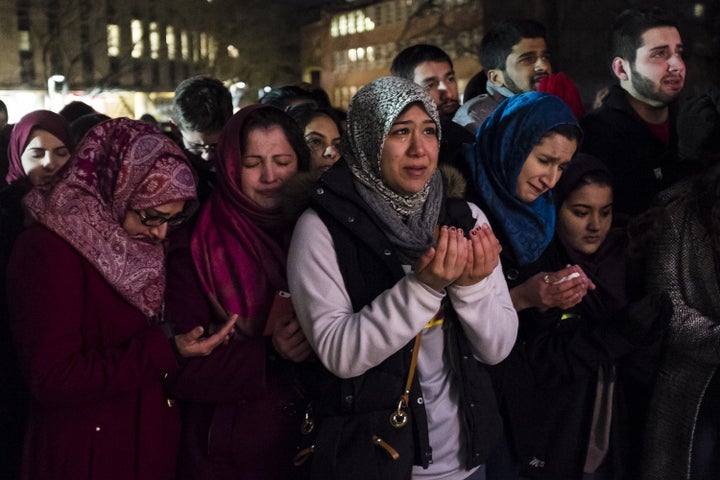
[239, 248]
[40, 119]
[120, 165]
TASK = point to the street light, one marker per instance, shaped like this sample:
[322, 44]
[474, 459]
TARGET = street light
[57, 88]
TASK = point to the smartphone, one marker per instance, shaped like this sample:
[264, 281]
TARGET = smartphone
[280, 308]
[566, 278]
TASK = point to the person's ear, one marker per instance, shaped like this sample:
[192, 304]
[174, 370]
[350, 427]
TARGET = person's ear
[620, 68]
[496, 77]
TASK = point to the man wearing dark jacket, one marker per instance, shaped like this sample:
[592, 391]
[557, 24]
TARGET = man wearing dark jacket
[634, 129]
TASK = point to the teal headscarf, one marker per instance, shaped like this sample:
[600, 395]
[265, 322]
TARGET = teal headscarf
[503, 143]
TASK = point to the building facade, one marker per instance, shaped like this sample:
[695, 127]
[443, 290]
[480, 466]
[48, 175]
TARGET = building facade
[345, 49]
[67, 48]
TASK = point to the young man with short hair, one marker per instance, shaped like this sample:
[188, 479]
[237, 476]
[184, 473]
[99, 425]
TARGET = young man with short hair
[634, 129]
[430, 67]
[515, 58]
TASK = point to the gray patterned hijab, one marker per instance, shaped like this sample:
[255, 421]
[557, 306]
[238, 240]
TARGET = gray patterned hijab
[409, 219]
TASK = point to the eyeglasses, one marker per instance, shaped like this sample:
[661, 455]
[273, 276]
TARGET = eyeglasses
[156, 220]
[198, 148]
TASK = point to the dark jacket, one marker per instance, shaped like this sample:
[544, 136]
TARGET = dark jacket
[641, 164]
[15, 398]
[241, 411]
[366, 402]
[547, 385]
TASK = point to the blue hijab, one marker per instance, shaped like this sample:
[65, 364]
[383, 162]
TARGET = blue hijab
[503, 143]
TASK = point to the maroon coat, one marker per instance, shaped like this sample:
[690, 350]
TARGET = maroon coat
[241, 411]
[94, 366]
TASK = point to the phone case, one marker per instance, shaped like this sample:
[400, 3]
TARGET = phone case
[281, 306]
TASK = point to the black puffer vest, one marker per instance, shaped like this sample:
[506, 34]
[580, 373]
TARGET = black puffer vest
[349, 412]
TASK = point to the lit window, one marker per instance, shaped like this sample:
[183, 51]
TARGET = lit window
[334, 27]
[170, 41]
[196, 46]
[352, 55]
[351, 24]
[184, 45]
[212, 50]
[24, 40]
[233, 52]
[369, 24]
[370, 52]
[343, 26]
[698, 10]
[136, 31]
[360, 53]
[203, 45]
[154, 40]
[359, 21]
[113, 40]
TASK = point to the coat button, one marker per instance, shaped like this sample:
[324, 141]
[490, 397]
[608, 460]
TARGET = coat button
[387, 252]
[320, 191]
[351, 219]
[170, 402]
[97, 429]
[420, 401]
[512, 274]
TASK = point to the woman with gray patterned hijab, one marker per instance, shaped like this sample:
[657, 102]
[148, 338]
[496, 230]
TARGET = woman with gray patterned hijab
[410, 218]
[381, 263]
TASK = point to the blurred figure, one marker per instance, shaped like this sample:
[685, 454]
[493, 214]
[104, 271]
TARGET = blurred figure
[201, 107]
[698, 125]
[74, 110]
[3, 115]
[683, 428]
[288, 96]
[322, 135]
[242, 411]
[476, 86]
[148, 118]
[40, 140]
[93, 351]
[81, 125]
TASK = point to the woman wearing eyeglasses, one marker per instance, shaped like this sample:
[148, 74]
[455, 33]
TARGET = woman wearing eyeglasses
[86, 292]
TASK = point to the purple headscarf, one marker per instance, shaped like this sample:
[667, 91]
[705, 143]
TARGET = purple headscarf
[119, 165]
[41, 119]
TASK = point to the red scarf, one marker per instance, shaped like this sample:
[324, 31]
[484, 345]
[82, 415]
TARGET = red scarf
[239, 248]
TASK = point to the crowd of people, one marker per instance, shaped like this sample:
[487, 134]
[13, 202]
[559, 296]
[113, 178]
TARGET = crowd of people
[516, 287]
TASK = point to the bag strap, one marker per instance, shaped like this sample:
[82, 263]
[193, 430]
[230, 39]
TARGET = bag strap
[398, 418]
